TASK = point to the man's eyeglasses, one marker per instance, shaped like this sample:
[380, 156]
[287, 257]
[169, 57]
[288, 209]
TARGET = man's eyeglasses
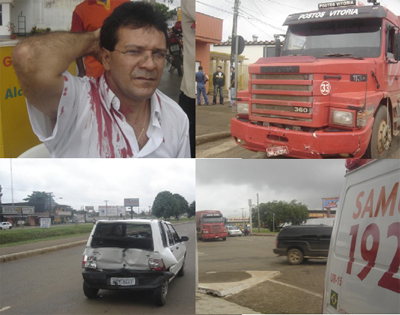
[157, 56]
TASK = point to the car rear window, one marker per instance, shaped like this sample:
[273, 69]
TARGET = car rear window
[123, 235]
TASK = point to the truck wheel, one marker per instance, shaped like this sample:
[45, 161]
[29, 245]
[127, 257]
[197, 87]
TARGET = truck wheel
[381, 136]
[89, 292]
[295, 256]
[160, 294]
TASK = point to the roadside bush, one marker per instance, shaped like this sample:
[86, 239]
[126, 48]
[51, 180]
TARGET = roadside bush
[28, 234]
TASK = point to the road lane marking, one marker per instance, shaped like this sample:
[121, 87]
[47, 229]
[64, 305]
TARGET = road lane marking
[225, 146]
[297, 288]
[5, 308]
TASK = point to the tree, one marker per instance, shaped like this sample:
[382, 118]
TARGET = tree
[41, 200]
[164, 205]
[280, 212]
[192, 209]
[183, 206]
[169, 14]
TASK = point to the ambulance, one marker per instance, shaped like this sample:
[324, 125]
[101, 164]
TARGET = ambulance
[362, 274]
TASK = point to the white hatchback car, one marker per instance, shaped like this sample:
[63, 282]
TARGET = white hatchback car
[133, 255]
[234, 231]
[5, 226]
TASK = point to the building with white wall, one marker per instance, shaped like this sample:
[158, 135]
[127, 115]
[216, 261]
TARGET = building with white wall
[53, 14]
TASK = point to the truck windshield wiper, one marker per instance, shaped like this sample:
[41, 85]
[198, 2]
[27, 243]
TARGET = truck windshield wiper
[344, 55]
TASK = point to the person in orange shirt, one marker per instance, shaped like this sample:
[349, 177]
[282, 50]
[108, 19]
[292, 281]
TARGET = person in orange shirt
[88, 16]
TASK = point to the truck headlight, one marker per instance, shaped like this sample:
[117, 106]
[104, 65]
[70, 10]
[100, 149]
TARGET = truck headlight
[242, 108]
[342, 118]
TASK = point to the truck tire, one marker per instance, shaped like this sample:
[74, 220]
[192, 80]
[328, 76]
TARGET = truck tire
[89, 292]
[295, 256]
[381, 136]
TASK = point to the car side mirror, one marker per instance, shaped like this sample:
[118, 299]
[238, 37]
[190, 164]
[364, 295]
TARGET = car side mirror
[184, 239]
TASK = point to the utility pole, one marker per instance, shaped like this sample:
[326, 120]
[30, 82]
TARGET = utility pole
[251, 215]
[106, 206]
[235, 45]
[258, 209]
[242, 217]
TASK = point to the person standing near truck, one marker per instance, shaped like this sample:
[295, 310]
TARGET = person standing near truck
[232, 86]
[201, 80]
[218, 82]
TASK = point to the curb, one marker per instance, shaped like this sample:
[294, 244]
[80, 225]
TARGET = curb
[35, 252]
[212, 137]
[228, 288]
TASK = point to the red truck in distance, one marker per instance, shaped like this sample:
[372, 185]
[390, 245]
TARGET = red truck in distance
[210, 225]
[332, 92]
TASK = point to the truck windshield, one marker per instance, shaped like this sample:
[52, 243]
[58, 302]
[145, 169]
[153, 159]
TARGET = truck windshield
[359, 38]
[213, 220]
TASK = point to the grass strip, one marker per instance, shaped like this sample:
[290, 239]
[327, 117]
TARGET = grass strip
[30, 234]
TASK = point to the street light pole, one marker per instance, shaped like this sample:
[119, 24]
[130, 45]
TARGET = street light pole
[258, 208]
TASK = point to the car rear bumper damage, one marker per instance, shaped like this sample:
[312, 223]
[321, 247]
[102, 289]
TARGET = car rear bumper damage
[144, 280]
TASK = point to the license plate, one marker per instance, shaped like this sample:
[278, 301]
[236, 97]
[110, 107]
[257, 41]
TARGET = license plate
[123, 281]
[174, 48]
[275, 151]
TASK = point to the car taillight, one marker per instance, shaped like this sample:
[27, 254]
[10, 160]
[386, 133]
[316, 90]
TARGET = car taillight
[156, 264]
[205, 232]
[89, 262]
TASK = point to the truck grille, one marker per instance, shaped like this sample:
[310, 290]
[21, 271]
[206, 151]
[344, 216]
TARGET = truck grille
[282, 96]
[215, 229]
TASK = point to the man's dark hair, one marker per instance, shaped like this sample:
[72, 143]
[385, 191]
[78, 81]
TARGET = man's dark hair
[200, 68]
[131, 15]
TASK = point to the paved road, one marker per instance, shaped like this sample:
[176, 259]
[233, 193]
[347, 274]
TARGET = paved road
[298, 289]
[52, 284]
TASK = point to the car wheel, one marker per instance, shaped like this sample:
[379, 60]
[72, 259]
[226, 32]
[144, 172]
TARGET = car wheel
[89, 292]
[295, 256]
[160, 294]
[224, 239]
[181, 271]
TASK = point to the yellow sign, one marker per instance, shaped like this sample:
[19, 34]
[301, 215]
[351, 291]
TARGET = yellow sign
[16, 135]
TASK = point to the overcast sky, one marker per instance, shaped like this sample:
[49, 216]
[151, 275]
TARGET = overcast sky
[227, 185]
[88, 182]
[264, 18]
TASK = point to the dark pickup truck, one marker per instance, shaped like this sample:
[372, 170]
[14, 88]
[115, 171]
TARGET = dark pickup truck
[299, 242]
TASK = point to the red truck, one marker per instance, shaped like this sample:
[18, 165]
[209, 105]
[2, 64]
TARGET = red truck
[334, 90]
[210, 224]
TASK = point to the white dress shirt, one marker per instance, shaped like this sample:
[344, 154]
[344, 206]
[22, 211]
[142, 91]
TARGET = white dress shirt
[89, 124]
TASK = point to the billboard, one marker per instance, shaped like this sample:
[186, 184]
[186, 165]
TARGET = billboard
[331, 202]
[18, 210]
[131, 202]
[111, 211]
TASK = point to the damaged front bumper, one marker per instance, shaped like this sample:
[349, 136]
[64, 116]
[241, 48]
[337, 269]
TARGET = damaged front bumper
[314, 145]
